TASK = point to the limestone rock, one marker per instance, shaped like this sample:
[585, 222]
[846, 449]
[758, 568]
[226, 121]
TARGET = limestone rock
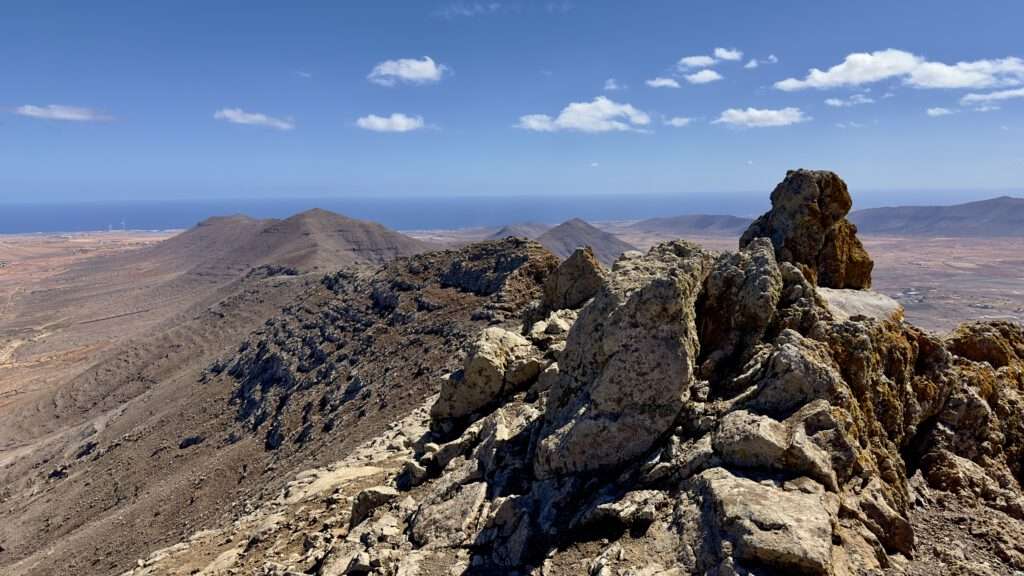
[807, 226]
[576, 280]
[628, 363]
[789, 531]
[499, 362]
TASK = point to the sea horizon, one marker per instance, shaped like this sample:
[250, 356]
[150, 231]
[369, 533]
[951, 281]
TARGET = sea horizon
[418, 212]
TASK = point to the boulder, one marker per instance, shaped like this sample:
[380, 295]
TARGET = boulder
[575, 281]
[807, 225]
[499, 362]
[767, 526]
[626, 370]
[369, 500]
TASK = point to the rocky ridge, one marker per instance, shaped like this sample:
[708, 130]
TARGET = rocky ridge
[683, 413]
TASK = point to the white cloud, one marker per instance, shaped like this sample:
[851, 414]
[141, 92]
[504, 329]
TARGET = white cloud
[661, 82]
[600, 115]
[864, 68]
[853, 100]
[408, 70]
[239, 116]
[751, 64]
[396, 122]
[849, 125]
[974, 98]
[730, 54]
[58, 112]
[772, 59]
[303, 74]
[611, 85]
[755, 118]
[595, 164]
[703, 77]
[467, 10]
[933, 112]
[696, 62]
[678, 121]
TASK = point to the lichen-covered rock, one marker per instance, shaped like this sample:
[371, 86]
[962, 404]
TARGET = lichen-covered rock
[628, 363]
[499, 362]
[807, 225]
[999, 343]
[576, 280]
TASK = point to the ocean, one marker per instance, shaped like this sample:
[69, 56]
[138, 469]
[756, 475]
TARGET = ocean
[400, 213]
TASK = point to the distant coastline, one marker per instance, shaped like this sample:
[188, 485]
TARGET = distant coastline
[408, 213]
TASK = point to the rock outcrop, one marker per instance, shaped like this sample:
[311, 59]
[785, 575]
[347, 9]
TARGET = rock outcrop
[576, 280]
[807, 225]
[710, 414]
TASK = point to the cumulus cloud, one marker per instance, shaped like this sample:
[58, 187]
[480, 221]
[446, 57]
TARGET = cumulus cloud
[752, 63]
[396, 122]
[407, 70]
[696, 62]
[864, 68]
[755, 118]
[853, 100]
[703, 77]
[678, 121]
[974, 98]
[239, 116]
[933, 112]
[728, 54]
[59, 112]
[600, 115]
[467, 9]
[661, 82]
[611, 85]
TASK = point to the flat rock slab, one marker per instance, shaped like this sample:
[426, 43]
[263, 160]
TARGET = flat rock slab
[845, 303]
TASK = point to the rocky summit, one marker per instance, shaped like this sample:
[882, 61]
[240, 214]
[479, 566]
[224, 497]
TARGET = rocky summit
[685, 412]
[808, 227]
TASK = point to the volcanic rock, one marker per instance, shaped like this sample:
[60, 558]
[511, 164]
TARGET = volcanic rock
[628, 363]
[575, 281]
[807, 226]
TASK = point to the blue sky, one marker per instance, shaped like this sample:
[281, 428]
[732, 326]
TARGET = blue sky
[186, 99]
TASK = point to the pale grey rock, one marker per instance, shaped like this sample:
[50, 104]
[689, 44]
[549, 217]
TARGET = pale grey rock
[767, 526]
[576, 280]
[450, 521]
[369, 500]
[498, 362]
[845, 304]
[628, 364]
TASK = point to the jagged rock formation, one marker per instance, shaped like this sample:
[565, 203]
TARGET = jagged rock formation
[698, 414]
[575, 281]
[808, 227]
